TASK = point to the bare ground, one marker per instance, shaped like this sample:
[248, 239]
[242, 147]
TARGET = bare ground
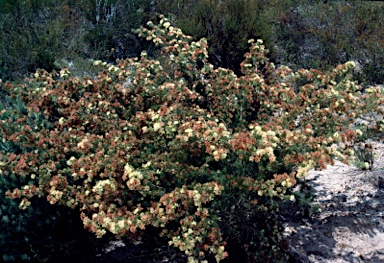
[350, 227]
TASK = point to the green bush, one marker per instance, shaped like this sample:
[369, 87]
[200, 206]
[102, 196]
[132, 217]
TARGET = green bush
[321, 35]
[197, 152]
[108, 35]
[31, 32]
[32, 229]
[40, 33]
[300, 34]
[226, 24]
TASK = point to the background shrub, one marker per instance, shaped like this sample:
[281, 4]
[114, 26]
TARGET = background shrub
[108, 34]
[298, 33]
[39, 33]
[321, 35]
[227, 25]
[33, 34]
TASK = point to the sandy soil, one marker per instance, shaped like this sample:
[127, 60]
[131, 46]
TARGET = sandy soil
[350, 227]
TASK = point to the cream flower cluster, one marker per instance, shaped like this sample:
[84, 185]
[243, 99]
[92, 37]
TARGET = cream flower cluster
[166, 27]
[266, 143]
[99, 62]
[219, 252]
[71, 160]
[114, 224]
[211, 132]
[160, 124]
[186, 241]
[102, 184]
[161, 214]
[304, 168]
[335, 151]
[135, 179]
[81, 145]
[108, 223]
[267, 188]
[64, 73]
[194, 260]
[55, 195]
[214, 133]
[24, 204]
[376, 89]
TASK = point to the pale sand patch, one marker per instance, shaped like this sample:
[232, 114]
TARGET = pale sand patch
[350, 227]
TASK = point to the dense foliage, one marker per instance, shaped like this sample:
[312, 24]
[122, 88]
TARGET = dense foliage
[227, 25]
[301, 34]
[54, 34]
[32, 234]
[321, 35]
[201, 154]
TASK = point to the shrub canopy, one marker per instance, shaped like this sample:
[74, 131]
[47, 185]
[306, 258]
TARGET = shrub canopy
[196, 151]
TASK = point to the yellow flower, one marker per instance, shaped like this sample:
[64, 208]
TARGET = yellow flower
[97, 62]
[70, 161]
[121, 223]
[64, 73]
[100, 233]
[24, 204]
[359, 132]
[99, 187]
[112, 227]
[147, 164]
[61, 121]
[156, 126]
[189, 132]
[336, 136]
[350, 64]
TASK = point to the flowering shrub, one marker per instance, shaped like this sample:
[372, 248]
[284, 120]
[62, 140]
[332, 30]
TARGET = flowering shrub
[32, 228]
[197, 151]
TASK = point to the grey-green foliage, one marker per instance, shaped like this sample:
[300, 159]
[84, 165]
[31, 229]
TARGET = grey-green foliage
[321, 35]
[108, 34]
[42, 232]
[39, 33]
[226, 24]
[29, 37]
[15, 235]
[13, 220]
